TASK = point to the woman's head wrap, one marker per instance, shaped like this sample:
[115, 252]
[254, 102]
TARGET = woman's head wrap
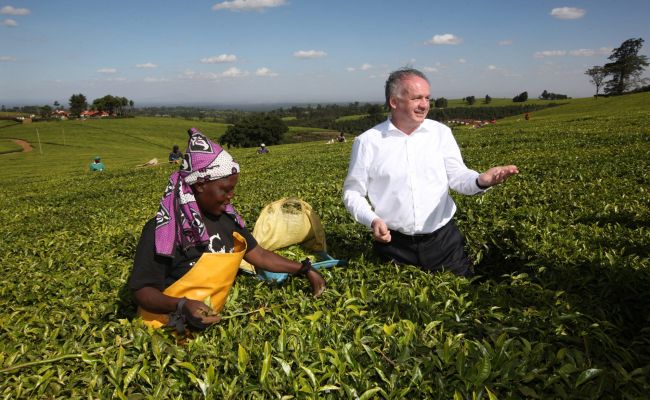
[179, 220]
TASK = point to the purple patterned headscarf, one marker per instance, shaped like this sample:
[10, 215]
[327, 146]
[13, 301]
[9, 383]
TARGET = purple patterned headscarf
[179, 220]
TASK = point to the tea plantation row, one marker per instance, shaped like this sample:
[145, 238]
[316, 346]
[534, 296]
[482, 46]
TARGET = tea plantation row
[560, 306]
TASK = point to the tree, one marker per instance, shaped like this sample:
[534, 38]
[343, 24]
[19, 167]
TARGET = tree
[77, 104]
[114, 105]
[441, 102]
[470, 100]
[45, 111]
[56, 104]
[552, 96]
[626, 67]
[488, 99]
[521, 97]
[255, 129]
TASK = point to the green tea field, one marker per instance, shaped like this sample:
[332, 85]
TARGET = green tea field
[559, 306]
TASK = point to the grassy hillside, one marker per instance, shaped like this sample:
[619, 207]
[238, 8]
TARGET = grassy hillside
[560, 307]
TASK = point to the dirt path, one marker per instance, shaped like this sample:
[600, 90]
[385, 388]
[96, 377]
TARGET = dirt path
[25, 145]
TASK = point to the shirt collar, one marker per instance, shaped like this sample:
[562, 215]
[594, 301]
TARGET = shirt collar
[391, 129]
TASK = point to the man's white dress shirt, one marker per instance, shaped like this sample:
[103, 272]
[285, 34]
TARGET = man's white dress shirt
[406, 177]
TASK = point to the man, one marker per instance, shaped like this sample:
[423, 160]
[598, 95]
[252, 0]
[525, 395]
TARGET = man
[97, 164]
[195, 235]
[405, 166]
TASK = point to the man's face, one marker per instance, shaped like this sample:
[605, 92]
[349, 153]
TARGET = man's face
[409, 107]
[214, 196]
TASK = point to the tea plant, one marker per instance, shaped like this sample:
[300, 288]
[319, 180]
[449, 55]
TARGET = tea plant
[559, 306]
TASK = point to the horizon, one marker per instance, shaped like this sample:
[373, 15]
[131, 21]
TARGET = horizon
[263, 52]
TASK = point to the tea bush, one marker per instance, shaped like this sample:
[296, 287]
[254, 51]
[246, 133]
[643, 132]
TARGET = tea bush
[559, 308]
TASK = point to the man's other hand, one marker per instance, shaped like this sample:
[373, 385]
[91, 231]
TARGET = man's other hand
[380, 231]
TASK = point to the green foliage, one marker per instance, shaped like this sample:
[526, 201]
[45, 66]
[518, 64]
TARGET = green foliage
[559, 307]
[484, 113]
[552, 96]
[521, 97]
[441, 102]
[596, 75]
[114, 105]
[8, 146]
[470, 100]
[78, 103]
[626, 67]
[255, 129]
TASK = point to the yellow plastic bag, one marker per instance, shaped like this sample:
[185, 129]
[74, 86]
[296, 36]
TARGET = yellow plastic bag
[212, 276]
[287, 222]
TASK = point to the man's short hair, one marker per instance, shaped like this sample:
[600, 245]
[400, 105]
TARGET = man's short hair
[396, 77]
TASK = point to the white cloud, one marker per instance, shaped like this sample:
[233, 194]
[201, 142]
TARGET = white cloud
[309, 54]
[233, 73]
[9, 10]
[591, 52]
[265, 72]
[430, 69]
[363, 67]
[248, 5]
[462, 61]
[506, 42]
[146, 65]
[447, 38]
[568, 12]
[7, 59]
[107, 71]
[550, 53]
[575, 53]
[492, 68]
[220, 59]
[9, 22]
[155, 80]
[214, 76]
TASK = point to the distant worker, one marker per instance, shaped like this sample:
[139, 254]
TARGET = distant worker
[341, 137]
[176, 156]
[97, 164]
[399, 178]
[262, 149]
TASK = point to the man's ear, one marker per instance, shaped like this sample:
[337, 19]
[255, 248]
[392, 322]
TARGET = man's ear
[392, 102]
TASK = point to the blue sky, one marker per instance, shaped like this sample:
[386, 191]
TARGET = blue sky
[265, 51]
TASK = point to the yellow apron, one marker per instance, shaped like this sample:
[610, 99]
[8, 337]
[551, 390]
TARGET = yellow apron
[212, 276]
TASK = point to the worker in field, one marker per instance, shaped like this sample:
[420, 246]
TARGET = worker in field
[97, 164]
[189, 253]
[263, 149]
[176, 156]
[399, 177]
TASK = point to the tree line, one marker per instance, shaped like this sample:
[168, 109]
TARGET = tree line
[113, 105]
[625, 70]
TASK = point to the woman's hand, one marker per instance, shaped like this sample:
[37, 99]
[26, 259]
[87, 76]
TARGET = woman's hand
[317, 282]
[199, 311]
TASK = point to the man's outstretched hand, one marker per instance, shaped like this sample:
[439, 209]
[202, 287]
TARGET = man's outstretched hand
[497, 175]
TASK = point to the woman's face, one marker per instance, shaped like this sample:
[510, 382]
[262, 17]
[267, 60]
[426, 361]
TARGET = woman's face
[213, 196]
